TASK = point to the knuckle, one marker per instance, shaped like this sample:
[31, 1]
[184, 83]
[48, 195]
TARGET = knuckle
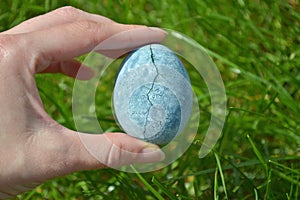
[6, 43]
[118, 152]
[86, 25]
[93, 29]
[113, 156]
[68, 11]
[15, 46]
[27, 23]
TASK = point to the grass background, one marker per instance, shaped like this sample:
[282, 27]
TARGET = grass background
[256, 46]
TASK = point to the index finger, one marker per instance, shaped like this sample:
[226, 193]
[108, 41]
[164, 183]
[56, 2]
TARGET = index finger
[70, 40]
[56, 17]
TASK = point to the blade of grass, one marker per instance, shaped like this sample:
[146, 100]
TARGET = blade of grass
[272, 100]
[285, 168]
[59, 108]
[196, 187]
[147, 185]
[255, 194]
[297, 189]
[245, 110]
[287, 178]
[287, 100]
[268, 186]
[216, 185]
[163, 188]
[221, 174]
[289, 196]
[29, 195]
[239, 165]
[4, 15]
[258, 154]
[47, 5]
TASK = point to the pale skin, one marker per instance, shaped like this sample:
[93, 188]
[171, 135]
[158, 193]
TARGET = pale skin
[33, 147]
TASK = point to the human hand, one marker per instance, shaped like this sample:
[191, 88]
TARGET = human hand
[33, 147]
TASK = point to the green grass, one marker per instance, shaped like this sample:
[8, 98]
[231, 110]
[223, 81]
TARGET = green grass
[256, 46]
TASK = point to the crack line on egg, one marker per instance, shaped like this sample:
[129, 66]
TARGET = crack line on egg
[150, 90]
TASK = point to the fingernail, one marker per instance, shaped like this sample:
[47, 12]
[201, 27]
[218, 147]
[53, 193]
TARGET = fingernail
[154, 152]
[150, 149]
[156, 29]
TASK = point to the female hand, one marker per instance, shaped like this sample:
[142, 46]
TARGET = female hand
[33, 147]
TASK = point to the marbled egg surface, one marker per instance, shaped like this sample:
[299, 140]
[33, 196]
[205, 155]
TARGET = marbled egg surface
[152, 96]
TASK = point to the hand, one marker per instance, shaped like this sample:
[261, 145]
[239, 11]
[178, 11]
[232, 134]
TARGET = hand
[33, 147]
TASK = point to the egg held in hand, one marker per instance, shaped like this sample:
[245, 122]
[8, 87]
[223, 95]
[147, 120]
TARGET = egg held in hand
[152, 95]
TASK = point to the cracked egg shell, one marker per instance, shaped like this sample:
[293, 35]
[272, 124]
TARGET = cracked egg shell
[152, 96]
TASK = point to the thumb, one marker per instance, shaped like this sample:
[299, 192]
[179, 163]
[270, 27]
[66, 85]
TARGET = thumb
[93, 151]
[118, 149]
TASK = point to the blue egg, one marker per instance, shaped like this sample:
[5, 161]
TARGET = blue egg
[152, 96]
